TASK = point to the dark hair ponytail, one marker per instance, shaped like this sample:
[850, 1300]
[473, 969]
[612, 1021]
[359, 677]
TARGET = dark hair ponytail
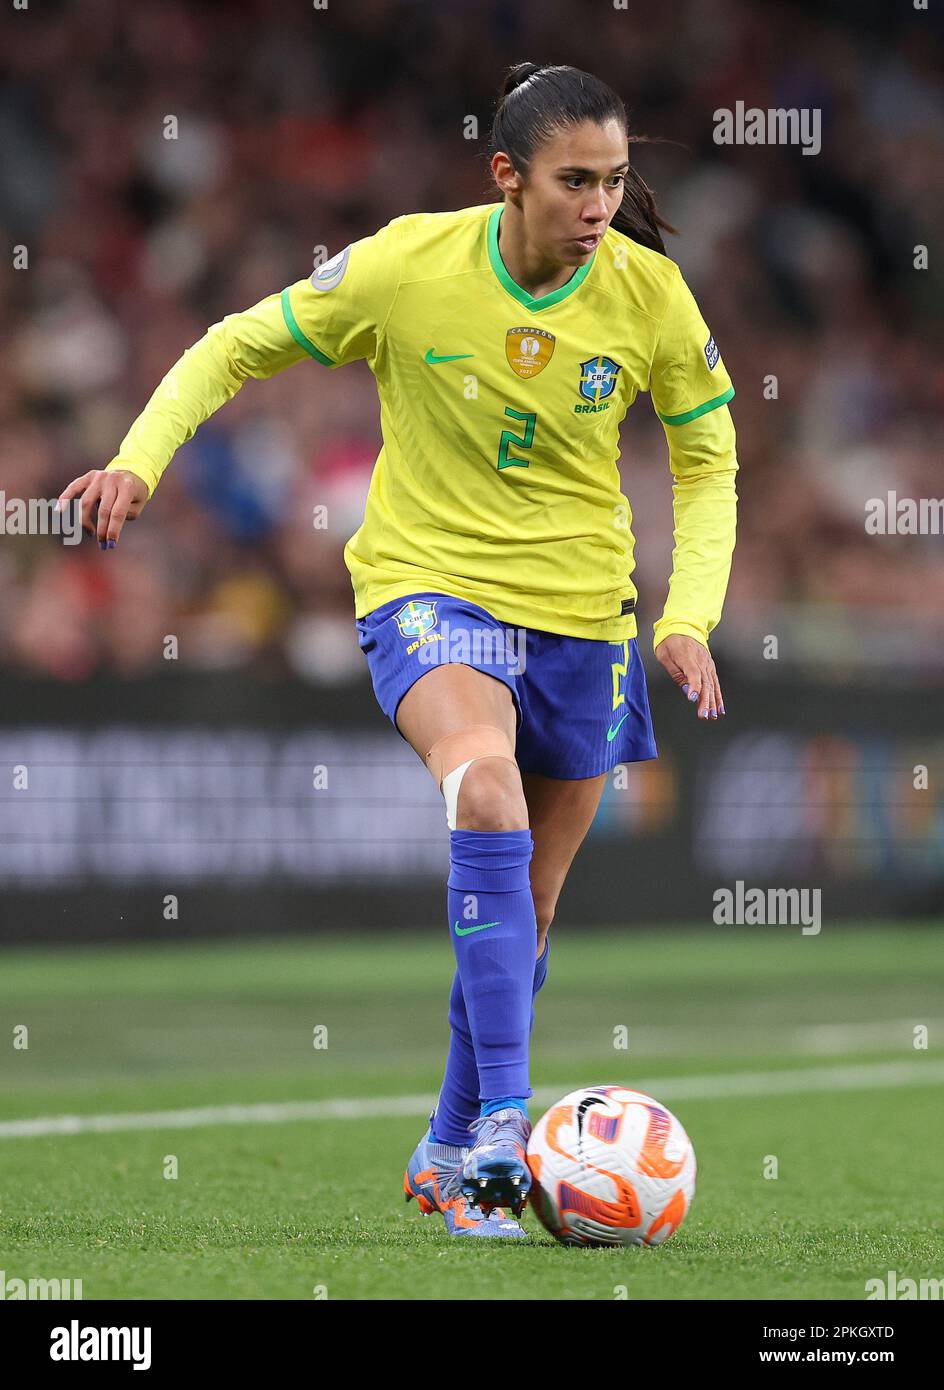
[536, 102]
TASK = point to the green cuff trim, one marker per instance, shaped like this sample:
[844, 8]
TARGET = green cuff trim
[699, 409]
[291, 324]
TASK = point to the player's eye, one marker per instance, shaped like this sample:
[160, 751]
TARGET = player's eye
[614, 181]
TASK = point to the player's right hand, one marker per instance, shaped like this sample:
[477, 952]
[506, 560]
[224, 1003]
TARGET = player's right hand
[118, 496]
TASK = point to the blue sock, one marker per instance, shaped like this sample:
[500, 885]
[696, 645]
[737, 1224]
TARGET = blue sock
[458, 1103]
[540, 975]
[505, 1103]
[493, 930]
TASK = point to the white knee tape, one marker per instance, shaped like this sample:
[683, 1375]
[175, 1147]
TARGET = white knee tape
[450, 790]
[482, 741]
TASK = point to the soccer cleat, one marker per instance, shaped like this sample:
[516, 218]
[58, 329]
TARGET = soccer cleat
[432, 1177]
[495, 1169]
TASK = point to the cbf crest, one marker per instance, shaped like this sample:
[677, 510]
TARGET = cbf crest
[416, 618]
[528, 350]
[598, 378]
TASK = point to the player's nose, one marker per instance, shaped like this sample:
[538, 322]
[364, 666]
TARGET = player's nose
[594, 214]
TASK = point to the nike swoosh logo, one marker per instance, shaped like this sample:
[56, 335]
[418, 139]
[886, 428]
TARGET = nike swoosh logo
[611, 732]
[466, 931]
[432, 360]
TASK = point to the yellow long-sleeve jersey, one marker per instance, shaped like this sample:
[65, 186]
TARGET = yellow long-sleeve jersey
[497, 480]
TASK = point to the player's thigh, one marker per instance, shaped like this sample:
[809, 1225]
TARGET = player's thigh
[561, 812]
[472, 711]
[449, 698]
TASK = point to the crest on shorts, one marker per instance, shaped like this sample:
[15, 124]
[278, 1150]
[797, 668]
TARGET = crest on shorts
[598, 378]
[529, 350]
[416, 618]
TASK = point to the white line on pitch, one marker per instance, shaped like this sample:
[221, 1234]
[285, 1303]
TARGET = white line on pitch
[875, 1076]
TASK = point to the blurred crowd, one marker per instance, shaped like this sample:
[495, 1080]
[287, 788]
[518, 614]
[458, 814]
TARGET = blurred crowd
[300, 127]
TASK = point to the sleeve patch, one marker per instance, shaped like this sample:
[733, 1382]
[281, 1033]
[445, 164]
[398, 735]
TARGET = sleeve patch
[711, 354]
[329, 275]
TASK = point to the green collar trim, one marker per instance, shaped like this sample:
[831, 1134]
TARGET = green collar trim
[544, 301]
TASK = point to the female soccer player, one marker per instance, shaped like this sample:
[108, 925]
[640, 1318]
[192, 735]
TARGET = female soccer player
[491, 574]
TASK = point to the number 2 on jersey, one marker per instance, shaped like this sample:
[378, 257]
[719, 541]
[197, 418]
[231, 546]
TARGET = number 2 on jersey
[508, 437]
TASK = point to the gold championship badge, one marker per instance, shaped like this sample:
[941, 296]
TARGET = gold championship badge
[528, 350]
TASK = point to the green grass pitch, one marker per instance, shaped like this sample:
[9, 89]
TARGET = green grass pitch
[314, 1207]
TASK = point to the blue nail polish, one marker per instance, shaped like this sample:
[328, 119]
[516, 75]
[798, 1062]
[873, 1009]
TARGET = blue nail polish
[693, 695]
[714, 714]
[102, 545]
[110, 545]
[684, 689]
[722, 709]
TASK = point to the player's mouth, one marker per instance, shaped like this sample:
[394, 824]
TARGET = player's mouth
[589, 243]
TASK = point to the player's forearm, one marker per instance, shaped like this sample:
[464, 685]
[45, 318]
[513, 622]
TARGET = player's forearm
[253, 343]
[703, 458]
[197, 385]
[705, 527]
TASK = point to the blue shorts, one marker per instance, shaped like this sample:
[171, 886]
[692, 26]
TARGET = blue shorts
[582, 705]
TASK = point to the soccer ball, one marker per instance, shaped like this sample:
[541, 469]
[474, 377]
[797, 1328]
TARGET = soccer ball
[610, 1166]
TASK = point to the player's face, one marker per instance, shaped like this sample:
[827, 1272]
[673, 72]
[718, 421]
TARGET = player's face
[574, 188]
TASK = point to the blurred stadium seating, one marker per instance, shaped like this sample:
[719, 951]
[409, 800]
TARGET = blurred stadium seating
[318, 128]
[300, 129]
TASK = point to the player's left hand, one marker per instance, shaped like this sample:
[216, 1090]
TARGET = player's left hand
[692, 667]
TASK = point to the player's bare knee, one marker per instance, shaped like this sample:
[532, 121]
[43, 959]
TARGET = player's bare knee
[477, 765]
[491, 797]
[544, 915]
